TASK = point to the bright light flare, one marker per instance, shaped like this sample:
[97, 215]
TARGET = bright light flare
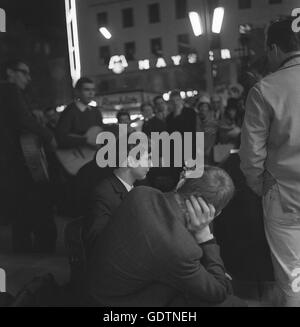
[218, 20]
[196, 23]
[105, 32]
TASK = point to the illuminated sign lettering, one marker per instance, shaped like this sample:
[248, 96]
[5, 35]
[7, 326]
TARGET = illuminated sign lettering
[117, 64]
[73, 44]
[2, 20]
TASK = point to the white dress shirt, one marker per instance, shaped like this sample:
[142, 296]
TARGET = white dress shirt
[127, 186]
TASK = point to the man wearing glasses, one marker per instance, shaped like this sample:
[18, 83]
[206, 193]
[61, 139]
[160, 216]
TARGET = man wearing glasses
[29, 201]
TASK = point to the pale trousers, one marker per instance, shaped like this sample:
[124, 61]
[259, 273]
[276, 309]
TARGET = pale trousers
[283, 235]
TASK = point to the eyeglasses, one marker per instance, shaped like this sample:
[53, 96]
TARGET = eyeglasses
[23, 71]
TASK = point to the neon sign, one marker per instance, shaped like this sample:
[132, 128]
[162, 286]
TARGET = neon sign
[2, 281]
[118, 63]
[2, 20]
[73, 44]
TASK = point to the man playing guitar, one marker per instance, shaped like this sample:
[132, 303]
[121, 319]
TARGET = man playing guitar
[30, 199]
[78, 128]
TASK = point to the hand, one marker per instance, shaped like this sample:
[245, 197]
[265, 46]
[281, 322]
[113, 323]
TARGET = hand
[200, 214]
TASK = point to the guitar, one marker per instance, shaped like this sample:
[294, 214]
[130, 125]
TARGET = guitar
[35, 157]
[74, 159]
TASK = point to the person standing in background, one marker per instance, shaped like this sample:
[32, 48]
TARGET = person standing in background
[270, 156]
[79, 117]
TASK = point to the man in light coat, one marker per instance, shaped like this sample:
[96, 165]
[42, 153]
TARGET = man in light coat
[270, 155]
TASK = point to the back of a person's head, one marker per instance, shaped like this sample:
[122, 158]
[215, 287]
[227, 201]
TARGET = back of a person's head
[158, 97]
[281, 34]
[215, 187]
[144, 105]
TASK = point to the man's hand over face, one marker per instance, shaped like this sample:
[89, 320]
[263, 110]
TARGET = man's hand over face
[200, 216]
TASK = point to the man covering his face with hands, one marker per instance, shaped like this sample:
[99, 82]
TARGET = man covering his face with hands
[158, 250]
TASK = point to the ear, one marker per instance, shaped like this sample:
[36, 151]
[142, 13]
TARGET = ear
[131, 162]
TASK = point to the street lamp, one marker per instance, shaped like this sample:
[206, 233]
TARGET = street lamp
[105, 32]
[218, 20]
[196, 23]
[208, 29]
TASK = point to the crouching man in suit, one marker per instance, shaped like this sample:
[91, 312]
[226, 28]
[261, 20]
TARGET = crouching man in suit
[158, 250]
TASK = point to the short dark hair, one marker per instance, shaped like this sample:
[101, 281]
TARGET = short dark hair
[282, 34]
[175, 93]
[215, 187]
[13, 64]
[158, 97]
[122, 113]
[81, 81]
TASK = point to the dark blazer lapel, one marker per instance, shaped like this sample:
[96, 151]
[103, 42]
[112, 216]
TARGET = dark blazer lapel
[118, 186]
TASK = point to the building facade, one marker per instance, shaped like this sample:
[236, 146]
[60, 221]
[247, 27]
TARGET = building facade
[156, 39]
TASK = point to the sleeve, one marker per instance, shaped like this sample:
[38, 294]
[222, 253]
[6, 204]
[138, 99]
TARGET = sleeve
[254, 138]
[26, 121]
[203, 279]
[63, 132]
[99, 213]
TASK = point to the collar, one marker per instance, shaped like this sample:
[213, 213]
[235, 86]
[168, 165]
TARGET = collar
[81, 106]
[127, 186]
[290, 61]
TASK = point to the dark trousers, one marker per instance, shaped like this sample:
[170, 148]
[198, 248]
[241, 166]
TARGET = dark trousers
[33, 225]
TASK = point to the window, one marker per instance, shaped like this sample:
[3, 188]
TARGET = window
[274, 2]
[183, 43]
[180, 9]
[156, 46]
[127, 15]
[104, 53]
[129, 48]
[154, 13]
[102, 19]
[244, 4]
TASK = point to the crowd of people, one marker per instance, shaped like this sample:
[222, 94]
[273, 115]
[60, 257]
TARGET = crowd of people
[149, 233]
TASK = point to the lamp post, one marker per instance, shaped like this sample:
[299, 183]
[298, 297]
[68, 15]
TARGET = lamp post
[207, 43]
[207, 28]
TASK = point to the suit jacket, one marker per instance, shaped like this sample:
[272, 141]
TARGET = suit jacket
[270, 144]
[106, 198]
[147, 257]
